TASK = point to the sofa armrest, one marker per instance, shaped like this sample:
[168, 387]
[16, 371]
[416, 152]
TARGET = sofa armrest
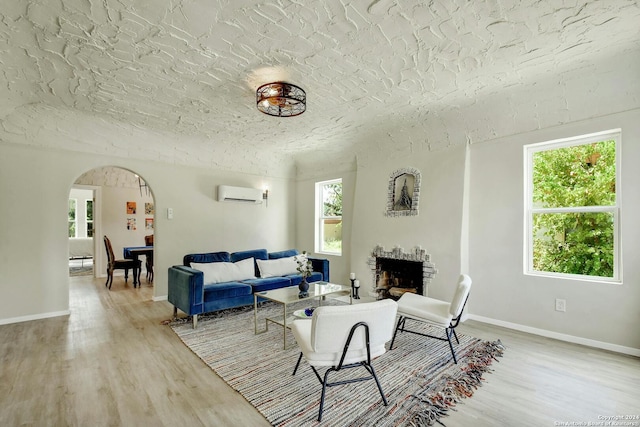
[186, 289]
[321, 265]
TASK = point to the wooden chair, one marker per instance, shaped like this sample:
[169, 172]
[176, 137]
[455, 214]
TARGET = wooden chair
[117, 264]
[148, 241]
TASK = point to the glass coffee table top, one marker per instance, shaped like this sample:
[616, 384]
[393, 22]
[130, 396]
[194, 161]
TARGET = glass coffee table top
[290, 295]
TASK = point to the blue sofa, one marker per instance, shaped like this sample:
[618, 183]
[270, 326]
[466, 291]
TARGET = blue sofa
[189, 292]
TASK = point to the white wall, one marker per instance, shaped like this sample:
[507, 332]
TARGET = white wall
[600, 312]
[436, 228]
[34, 190]
[340, 266]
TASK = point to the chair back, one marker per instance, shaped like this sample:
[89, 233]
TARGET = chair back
[107, 245]
[148, 240]
[460, 297]
[331, 326]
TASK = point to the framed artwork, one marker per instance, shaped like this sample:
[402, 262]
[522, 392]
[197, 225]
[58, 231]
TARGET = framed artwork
[131, 208]
[149, 209]
[131, 224]
[148, 223]
[403, 192]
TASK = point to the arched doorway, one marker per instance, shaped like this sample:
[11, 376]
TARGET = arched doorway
[121, 206]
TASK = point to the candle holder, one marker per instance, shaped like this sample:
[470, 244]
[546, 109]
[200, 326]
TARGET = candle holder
[354, 289]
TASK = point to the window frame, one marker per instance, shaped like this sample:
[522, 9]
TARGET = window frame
[320, 218]
[530, 210]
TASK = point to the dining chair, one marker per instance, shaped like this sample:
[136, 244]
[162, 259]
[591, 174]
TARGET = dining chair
[117, 264]
[148, 241]
[434, 312]
[343, 337]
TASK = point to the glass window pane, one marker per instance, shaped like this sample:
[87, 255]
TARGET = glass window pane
[332, 199]
[72, 209]
[581, 175]
[574, 243]
[332, 235]
[89, 210]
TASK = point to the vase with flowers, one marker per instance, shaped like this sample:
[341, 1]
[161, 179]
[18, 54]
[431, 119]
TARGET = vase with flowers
[305, 268]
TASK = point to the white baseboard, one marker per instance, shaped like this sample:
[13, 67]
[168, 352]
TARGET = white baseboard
[34, 317]
[160, 298]
[558, 336]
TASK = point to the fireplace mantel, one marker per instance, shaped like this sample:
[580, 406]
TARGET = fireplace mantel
[417, 254]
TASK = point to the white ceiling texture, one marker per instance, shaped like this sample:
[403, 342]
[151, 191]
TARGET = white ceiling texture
[175, 80]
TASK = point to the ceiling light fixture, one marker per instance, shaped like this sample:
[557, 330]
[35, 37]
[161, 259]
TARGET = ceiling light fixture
[281, 99]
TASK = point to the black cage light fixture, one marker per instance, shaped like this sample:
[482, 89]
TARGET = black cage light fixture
[281, 99]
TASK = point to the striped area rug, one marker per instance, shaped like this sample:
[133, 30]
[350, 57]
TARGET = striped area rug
[419, 379]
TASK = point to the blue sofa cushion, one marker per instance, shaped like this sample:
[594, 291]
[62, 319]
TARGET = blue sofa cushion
[216, 291]
[283, 254]
[204, 258]
[269, 283]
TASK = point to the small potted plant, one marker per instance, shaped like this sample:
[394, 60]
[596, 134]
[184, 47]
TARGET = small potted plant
[305, 268]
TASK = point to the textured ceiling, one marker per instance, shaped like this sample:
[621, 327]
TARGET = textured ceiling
[188, 69]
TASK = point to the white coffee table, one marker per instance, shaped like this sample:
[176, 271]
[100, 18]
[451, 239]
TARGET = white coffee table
[289, 295]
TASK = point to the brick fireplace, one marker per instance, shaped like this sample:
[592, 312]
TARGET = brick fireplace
[395, 272]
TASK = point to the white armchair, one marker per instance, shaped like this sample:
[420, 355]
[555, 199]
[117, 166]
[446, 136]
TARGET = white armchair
[446, 315]
[348, 336]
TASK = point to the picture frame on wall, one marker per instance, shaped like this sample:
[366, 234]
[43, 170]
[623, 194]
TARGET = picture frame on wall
[403, 192]
[131, 208]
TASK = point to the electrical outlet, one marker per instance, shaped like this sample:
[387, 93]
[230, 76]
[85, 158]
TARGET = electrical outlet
[561, 305]
[169, 213]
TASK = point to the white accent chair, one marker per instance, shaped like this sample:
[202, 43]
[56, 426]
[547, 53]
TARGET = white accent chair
[434, 312]
[347, 336]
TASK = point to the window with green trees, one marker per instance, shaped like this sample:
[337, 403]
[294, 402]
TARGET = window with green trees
[572, 208]
[329, 217]
[72, 217]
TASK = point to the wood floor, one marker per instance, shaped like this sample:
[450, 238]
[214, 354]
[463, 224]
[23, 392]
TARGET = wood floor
[112, 363]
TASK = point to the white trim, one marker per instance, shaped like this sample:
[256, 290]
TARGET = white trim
[558, 336]
[160, 298]
[34, 317]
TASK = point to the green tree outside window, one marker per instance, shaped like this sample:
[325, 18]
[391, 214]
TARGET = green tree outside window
[571, 232]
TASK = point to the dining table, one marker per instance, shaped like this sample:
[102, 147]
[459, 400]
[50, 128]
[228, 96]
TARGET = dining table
[134, 252]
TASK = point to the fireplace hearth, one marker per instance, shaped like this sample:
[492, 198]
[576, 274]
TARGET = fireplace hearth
[396, 272]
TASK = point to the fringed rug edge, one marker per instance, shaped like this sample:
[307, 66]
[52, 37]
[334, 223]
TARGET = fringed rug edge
[433, 406]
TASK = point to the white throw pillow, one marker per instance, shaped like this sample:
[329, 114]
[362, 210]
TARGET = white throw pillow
[220, 272]
[280, 266]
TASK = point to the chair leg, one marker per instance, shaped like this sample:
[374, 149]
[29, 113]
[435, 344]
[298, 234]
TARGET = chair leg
[456, 336]
[450, 332]
[401, 320]
[126, 275]
[324, 389]
[297, 364]
[375, 377]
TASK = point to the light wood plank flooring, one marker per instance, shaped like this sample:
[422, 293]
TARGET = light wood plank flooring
[112, 363]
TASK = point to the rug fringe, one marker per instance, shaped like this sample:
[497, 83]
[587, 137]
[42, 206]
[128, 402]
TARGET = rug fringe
[433, 406]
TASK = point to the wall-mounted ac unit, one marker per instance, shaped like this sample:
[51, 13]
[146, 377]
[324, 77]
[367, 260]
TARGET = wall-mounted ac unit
[227, 193]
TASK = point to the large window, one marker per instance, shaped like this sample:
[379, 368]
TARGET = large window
[329, 217]
[572, 210]
[73, 229]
